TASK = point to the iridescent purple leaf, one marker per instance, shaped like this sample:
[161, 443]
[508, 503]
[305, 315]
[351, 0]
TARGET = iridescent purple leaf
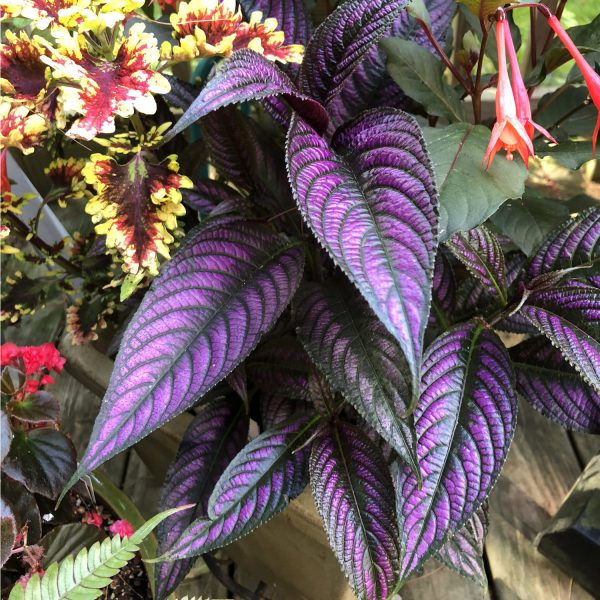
[341, 42]
[247, 75]
[463, 552]
[353, 492]
[480, 251]
[212, 303]
[208, 194]
[372, 203]
[369, 86]
[238, 382]
[575, 242]
[280, 366]
[211, 441]
[569, 316]
[274, 410]
[555, 388]
[320, 394]
[360, 359]
[443, 290]
[465, 420]
[259, 483]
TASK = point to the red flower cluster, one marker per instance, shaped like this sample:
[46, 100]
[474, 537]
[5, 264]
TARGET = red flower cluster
[35, 361]
[122, 528]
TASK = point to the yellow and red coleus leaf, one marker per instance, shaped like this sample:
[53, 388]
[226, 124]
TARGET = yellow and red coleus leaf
[216, 28]
[99, 89]
[20, 127]
[136, 206]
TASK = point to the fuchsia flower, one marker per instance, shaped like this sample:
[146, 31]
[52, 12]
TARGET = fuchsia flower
[592, 79]
[122, 528]
[520, 91]
[509, 132]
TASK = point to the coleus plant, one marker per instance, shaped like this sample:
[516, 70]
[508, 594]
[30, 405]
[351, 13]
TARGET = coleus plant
[348, 290]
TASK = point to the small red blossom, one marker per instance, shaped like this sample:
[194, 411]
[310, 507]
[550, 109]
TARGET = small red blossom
[93, 518]
[36, 362]
[519, 90]
[122, 528]
[508, 132]
[592, 79]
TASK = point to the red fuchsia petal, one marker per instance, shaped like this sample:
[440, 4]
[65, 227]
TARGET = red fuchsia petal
[518, 86]
[542, 131]
[595, 136]
[592, 79]
[494, 144]
[505, 100]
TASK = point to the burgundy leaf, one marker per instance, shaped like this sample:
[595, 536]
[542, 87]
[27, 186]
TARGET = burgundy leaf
[211, 441]
[372, 203]
[463, 552]
[247, 75]
[280, 366]
[569, 316]
[465, 420]
[480, 251]
[260, 481]
[8, 530]
[341, 42]
[24, 506]
[40, 407]
[555, 388]
[575, 242]
[212, 303]
[353, 492]
[360, 359]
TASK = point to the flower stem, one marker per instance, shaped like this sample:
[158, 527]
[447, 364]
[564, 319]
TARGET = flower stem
[26, 234]
[467, 85]
[477, 90]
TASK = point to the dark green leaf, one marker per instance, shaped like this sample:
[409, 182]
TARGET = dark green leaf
[420, 76]
[8, 530]
[42, 460]
[25, 507]
[569, 153]
[468, 193]
[6, 435]
[69, 539]
[527, 221]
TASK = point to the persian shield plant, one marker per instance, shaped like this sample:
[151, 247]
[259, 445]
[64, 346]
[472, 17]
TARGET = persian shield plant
[351, 277]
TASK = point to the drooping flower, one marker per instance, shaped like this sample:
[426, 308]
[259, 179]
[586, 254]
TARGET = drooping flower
[521, 96]
[99, 89]
[20, 128]
[216, 28]
[508, 132]
[36, 361]
[136, 206]
[122, 528]
[592, 79]
[66, 175]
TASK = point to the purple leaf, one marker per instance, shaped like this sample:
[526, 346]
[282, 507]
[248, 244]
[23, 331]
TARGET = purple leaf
[320, 394]
[260, 481]
[463, 552]
[569, 316]
[212, 303]
[465, 420]
[280, 366]
[360, 359]
[211, 441]
[208, 194]
[274, 410]
[480, 251]
[443, 291]
[372, 204]
[238, 382]
[575, 242]
[247, 75]
[341, 42]
[555, 388]
[353, 492]
[369, 86]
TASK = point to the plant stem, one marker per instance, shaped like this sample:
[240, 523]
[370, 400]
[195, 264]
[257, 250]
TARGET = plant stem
[476, 95]
[532, 34]
[467, 85]
[26, 234]
[230, 583]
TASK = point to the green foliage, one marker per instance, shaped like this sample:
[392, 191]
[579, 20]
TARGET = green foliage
[420, 75]
[83, 576]
[469, 194]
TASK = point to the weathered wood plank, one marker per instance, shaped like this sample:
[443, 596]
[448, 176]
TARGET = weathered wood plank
[539, 472]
